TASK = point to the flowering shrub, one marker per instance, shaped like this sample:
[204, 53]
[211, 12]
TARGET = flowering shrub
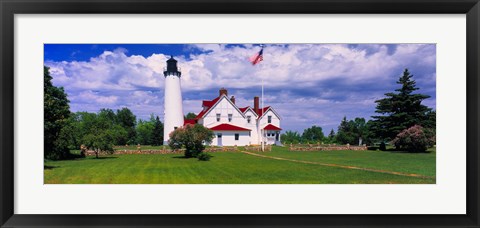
[414, 139]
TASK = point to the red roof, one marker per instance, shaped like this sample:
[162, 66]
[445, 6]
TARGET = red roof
[271, 127]
[207, 106]
[244, 109]
[189, 121]
[228, 127]
[260, 112]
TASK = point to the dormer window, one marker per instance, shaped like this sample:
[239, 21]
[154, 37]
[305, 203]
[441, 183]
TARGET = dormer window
[230, 117]
[249, 118]
[218, 117]
[269, 119]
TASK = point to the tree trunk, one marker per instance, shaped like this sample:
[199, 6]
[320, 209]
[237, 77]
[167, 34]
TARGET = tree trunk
[96, 153]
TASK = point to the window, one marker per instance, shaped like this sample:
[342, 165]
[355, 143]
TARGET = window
[269, 119]
[248, 119]
[237, 136]
[218, 117]
[229, 117]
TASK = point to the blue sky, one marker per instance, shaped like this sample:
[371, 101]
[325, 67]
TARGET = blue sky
[308, 84]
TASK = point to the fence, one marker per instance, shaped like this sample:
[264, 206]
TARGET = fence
[164, 150]
[320, 147]
[221, 149]
[258, 148]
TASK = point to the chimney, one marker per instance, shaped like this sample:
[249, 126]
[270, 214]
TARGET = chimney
[232, 99]
[222, 91]
[256, 104]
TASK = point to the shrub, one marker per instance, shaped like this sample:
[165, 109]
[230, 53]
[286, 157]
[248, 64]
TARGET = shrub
[204, 157]
[414, 139]
[192, 137]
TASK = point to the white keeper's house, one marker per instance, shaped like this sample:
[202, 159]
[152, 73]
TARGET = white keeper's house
[232, 125]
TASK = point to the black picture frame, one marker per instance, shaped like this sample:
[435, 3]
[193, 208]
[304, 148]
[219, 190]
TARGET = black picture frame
[9, 8]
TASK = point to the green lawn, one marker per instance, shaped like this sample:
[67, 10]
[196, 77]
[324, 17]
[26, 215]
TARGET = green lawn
[413, 163]
[240, 168]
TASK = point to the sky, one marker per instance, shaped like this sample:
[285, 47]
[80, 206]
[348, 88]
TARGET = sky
[307, 84]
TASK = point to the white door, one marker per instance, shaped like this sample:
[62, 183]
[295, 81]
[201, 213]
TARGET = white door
[219, 139]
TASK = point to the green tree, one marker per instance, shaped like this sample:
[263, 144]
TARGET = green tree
[127, 120]
[431, 120]
[361, 131]
[69, 133]
[56, 113]
[83, 122]
[99, 132]
[190, 115]
[145, 131]
[157, 132]
[331, 137]
[401, 109]
[346, 132]
[291, 137]
[108, 115]
[313, 134]
[192, 137]
[101, 140]
[354, 132]
[106, 120]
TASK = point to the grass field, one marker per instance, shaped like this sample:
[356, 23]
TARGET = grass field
[242, 168]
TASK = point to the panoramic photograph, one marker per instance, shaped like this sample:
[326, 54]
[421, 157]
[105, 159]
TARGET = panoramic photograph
[240, 113]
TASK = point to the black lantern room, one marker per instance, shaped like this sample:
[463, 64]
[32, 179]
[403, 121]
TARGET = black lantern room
[172, 68]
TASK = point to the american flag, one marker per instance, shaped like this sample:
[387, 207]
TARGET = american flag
[257, 57]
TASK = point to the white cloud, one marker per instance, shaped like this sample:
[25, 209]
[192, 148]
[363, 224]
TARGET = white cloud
[324, 82]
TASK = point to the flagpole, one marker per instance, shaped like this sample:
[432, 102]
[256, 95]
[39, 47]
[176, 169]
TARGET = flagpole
[263, 131]
[254, 60]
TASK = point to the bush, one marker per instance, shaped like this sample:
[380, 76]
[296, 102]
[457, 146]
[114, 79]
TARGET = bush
[192, 137]
[414, 139]
[204, 157]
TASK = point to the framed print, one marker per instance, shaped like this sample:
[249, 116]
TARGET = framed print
[249, 114]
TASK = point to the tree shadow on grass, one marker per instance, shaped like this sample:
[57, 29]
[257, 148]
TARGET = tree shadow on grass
[181, 157]
[49, 167]
[103, 158]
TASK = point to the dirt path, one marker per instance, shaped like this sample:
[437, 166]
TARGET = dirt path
[341, 166]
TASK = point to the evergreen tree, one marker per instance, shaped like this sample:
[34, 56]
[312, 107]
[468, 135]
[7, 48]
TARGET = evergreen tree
[401, 110]
[157, 132]
[353, 132]
[56, 113]
[345, 133]
[331, 136]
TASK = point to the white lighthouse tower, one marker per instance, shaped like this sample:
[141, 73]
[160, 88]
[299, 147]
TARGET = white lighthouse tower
[173, 99]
